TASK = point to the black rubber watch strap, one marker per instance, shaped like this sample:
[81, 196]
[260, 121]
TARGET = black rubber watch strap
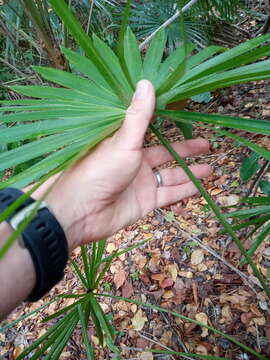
[8, 196]
[45, 240]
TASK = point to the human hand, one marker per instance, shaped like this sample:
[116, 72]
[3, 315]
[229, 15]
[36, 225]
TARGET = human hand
[114, 185]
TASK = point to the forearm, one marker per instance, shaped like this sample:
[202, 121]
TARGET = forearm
[17, 274]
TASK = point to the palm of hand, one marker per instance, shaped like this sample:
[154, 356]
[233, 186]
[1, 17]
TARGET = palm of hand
[125, 188]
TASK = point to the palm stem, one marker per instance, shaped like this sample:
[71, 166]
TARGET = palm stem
[213, 206]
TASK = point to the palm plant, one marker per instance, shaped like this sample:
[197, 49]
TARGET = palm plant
[89, 105]
[148, 16]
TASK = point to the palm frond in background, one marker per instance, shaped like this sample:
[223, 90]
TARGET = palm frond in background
[200, 19]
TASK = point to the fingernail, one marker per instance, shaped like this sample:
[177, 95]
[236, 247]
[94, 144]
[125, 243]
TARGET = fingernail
[142, 90]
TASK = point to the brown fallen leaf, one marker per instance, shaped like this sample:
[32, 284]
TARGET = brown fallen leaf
[119, 278]
[157, 294]
[127, 290]
[158, 277]
[197, 257]
[166, 283]
[267, 331]
[168, 294]
[247, 317]
[139, 320]
[179, 291]
[172, 270]
[146, 356]
[202, 317]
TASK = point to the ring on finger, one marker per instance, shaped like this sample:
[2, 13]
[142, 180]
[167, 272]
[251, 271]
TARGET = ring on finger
[158, 178]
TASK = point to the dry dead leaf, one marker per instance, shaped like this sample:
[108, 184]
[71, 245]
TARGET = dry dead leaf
[266, 113]
[110, 248]
[140, 260]
[247, 317]
[158, 277]
[259, 321]
[202, 317]
[267, 331]
[197, 257]
[166, 283]
[168, 294]
[172, 270]
[226, 314]
[127, 290]
[119, 278]
[139, 320]
[146, 356]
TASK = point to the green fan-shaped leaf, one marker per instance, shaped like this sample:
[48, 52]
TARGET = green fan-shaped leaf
[96, 94]
[54, 160]
[257, 71]
[203, 55]
[153, 57]
[249, 167]
[265, 186]
[75, 28]
[251, 125]
[262, 151]
[48, 92]
[86, 67]
[132, 57]
[171, 63]
[111, 60]
[244, 53]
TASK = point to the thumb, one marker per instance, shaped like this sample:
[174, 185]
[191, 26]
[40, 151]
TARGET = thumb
[138, 116]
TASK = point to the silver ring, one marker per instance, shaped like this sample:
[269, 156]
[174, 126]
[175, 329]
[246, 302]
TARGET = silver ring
[158, 178]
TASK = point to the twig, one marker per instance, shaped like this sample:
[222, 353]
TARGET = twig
[180, 342]
[12, 67]
[244, 277]
[90, 17]
[168, 22]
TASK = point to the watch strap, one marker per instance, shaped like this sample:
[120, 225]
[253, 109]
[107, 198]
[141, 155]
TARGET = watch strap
[43, 237]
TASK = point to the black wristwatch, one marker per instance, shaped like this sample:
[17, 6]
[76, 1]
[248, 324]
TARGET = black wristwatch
[43, 237]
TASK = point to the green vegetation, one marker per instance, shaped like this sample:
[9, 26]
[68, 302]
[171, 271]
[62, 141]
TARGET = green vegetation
[94, 85]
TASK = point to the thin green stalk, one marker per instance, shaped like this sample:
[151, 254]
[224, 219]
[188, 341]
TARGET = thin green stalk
[213, 206]
[92, 271]
[86, 265]
[86, 340]
[21, 318]
[80, 275]
[195, 356]
[163, 310]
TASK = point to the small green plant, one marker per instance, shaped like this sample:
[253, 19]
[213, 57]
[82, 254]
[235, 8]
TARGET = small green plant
[188, 247]
[89, 105]
[253, 216]
[84, 308]
[135, 276]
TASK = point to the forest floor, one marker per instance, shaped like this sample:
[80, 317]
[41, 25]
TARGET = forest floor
[187, 266]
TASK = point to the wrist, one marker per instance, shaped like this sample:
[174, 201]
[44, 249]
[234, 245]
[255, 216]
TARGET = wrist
[17, 273]
[63, 208]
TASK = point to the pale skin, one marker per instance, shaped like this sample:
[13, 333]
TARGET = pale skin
[110, 188]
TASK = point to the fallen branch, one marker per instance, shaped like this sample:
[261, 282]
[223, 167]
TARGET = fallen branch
[168, 22]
